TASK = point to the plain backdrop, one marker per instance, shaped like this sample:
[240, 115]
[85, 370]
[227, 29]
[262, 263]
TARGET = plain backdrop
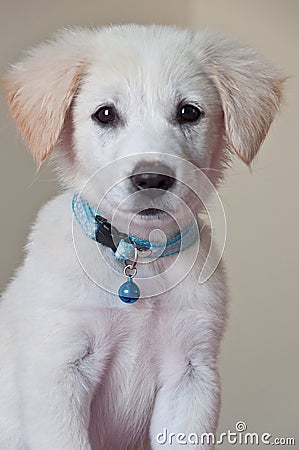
[259, 358]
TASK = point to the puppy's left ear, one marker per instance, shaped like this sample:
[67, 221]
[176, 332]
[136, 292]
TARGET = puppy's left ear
[250, 91]
[40, 90]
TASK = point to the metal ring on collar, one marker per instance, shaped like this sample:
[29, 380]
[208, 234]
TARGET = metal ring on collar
[134, 261]
[130, 270]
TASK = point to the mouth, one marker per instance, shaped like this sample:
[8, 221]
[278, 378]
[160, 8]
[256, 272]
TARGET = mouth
[149, 213]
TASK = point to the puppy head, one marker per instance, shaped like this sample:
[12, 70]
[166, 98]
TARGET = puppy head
[142, 94]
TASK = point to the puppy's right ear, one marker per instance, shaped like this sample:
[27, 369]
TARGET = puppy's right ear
[40, 90]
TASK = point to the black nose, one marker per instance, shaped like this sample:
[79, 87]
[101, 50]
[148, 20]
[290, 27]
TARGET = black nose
[153, 176]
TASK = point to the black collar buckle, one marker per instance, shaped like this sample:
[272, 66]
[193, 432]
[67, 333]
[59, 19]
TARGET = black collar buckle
[108, 235]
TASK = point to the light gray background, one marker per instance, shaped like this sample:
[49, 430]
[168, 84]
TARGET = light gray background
[259, 359]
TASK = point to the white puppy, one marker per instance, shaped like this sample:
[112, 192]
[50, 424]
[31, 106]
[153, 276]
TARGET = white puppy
[124, 111]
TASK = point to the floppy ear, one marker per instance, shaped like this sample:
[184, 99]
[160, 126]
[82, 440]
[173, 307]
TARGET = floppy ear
[250, 91]
[40, 90]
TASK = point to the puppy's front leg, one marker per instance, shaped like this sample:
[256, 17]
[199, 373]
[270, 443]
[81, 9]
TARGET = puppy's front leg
[57, 379]
[184, 412]
[187, 403]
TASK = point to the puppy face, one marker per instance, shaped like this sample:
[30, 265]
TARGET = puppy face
[150, 99]
[140, 102]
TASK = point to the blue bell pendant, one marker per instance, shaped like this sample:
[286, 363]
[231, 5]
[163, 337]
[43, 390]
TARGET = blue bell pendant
[129, 292]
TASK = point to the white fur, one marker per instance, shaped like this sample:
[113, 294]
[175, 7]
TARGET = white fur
[79, 369]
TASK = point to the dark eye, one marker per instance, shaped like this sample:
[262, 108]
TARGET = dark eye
[105, 115]
[189, 113]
